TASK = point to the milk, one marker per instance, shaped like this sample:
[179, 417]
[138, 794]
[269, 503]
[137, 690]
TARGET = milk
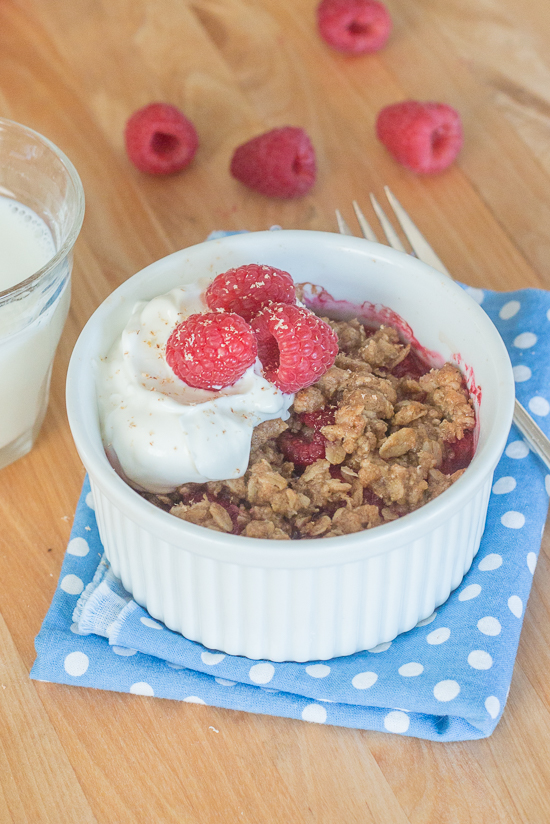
[26, 243]
[30, 325]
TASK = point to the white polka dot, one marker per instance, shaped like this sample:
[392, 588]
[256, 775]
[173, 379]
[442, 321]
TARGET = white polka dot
[261, 673]
[268, 689]
[78, 546]
[446, 690]
[476, 294]
[212, 658]
[174, 666]
[397, 721]
[148, 622]
[539, 406]
[469, 592]
[410, 670]
[490, 562]
[521, 373]
[314, 713]
[517, 450]
[532, 562]
[547, 484]
[492, 705]
[318, 670]
[125, 652]
[364, 680]
[90, 500]
[504, 485]
[224, 682]
[509, 309]
[381, 647]
[194, 699]
[72, 585]
[515, 605]
[525, 341]
[489, 625]
[438, 636]
[513, 520]
[480, 660]
[425, 621]
[142, 688]
[76, 664]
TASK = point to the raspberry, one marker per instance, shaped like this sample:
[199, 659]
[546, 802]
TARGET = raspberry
[354, 26]
[301, 451]
[424, 137]
[294, 345]
[160, 139]
[321, 417]
[247, 289]
[279, 163]
[212, 350]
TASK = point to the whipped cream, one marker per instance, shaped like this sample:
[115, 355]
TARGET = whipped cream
[158, 431]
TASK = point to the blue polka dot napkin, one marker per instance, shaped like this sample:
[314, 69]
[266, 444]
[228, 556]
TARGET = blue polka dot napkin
[445, 680]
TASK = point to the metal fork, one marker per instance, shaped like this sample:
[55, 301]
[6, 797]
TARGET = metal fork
[532, 433]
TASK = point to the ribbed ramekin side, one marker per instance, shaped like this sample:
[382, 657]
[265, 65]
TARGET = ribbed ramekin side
[279, 626]
[477, 525]
[292, 614]
[107, 526]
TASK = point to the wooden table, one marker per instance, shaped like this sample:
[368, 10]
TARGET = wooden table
[75, 71]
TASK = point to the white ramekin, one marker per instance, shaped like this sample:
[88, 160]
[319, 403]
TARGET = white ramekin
[311, 599]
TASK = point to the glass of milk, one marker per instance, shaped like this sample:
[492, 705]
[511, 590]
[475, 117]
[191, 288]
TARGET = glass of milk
[41, 212]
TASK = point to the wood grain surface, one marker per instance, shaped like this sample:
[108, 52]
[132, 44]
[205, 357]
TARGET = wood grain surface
[75, 70]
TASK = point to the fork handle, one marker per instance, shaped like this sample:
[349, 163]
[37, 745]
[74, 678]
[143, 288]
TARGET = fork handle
[532, 433]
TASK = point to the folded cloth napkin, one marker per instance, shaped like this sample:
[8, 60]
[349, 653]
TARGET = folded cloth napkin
[445, 680]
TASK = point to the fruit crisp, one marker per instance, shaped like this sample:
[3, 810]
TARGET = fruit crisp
[378, 436]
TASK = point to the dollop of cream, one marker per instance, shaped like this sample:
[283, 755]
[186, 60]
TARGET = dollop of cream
[159, 432]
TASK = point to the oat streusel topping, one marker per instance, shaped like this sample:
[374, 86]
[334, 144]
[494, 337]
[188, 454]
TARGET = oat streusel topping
[378, 436]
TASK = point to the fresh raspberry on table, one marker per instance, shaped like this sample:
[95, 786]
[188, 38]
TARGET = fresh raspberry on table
[211, 350]
[354, 26]
[295, 346]
[160, 140]
[246, 289]
[300, 450]
[424, 137]
[279, 163]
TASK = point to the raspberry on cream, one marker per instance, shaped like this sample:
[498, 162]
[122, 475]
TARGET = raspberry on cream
[161, 432]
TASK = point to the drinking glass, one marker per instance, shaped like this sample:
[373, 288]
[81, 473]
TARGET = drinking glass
[35, 173]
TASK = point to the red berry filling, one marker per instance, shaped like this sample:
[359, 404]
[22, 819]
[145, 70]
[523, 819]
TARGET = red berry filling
[295, 346]
[413, 366]
[424, 137]
[321, 417]
[279, 163]
[211, 351]
[160, 140]
[354, 26]
[458, 455]
[246, 289]
[301, 450]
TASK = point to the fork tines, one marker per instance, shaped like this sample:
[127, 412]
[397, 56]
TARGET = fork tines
[418, 242]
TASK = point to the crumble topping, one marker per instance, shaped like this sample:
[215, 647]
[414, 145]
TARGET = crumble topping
[396, 434]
